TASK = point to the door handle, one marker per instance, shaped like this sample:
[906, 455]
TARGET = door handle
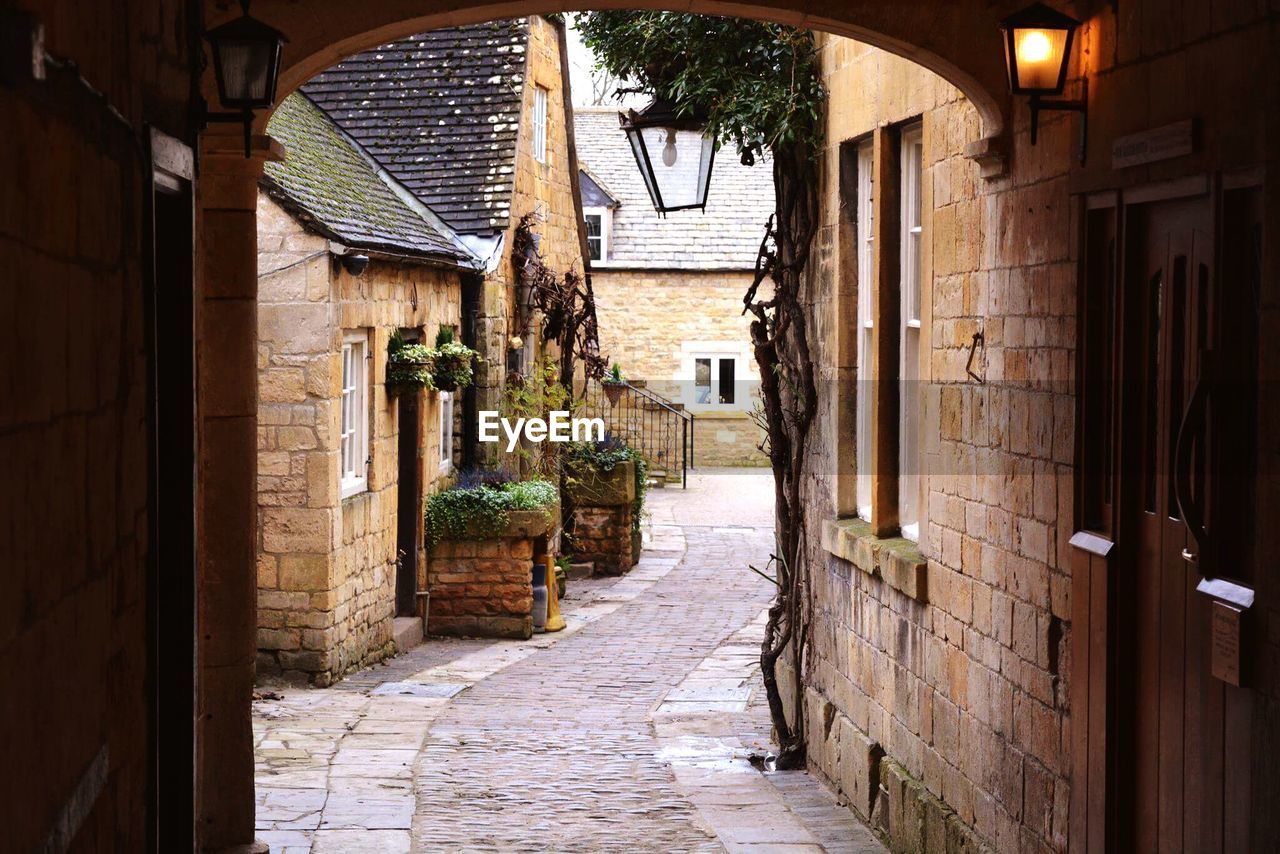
[1190, 431]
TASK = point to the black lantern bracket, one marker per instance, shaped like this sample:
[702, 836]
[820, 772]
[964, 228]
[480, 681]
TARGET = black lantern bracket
[1080, 105]
[244, 117]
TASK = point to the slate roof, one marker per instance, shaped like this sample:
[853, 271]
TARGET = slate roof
[440, 111]
[337, 190]
[724, 237]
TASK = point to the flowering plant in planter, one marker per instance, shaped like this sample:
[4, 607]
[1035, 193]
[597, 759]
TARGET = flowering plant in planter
[614, 383]
[452, 362]
[586, 462]
[479, 507]
[408, 366]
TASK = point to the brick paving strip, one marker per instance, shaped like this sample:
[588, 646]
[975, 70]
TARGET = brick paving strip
[628, 731]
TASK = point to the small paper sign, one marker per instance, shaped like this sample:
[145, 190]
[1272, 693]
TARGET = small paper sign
[1224, 641]
[1162, 143]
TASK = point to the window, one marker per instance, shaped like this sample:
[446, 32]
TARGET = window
[892, 418]
[598, 232]
[445, 402]
[540, 124]
[866, 282]
[911, 166]
[715, 380]
[354, 446]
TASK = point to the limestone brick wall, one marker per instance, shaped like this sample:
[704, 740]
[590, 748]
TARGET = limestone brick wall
[650, 323]
[482, 588]
[545, 189]
[727, 439]
[73, 422]
[326, 564]
[944, 710]
[602, 536]
[959, 683]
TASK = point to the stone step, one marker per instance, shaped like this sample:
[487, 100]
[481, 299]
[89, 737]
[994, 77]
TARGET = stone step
[407, 633]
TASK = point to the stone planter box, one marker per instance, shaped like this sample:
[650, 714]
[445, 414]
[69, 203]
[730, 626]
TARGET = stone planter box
[591, 488]
[483, 587]
[603, 509]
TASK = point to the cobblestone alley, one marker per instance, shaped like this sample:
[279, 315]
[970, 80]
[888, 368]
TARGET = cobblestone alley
[629, 730]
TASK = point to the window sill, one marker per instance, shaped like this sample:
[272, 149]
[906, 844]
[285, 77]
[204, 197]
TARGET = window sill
[895, 560]
[724, 413]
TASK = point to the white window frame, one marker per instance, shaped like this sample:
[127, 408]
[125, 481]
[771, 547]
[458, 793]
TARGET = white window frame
[606, 228]
[353, 447]
[866, 285]
[716, 359]
[687, 376]
[910, 241]
[445, 401]
[541, 98]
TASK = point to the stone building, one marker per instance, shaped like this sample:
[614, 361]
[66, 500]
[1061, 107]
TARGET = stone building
[669, 289]
[1010, 643]
[347, 257]
[1030, 719]
[475, 121]
[435, 211]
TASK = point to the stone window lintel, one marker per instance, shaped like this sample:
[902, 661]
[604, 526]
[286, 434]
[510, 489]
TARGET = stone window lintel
[895, 560]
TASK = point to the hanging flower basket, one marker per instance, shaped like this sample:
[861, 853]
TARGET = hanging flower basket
[452, 366]
[614, 391]
[409, 369]
[614, 384]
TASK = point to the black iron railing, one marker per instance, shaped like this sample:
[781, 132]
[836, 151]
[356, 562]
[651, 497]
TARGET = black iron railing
[662, 431]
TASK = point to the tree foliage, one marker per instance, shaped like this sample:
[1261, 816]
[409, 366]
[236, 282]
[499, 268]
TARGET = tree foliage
[758, 84]
[759, 87]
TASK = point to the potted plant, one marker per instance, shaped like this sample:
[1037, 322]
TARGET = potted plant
[451, 362]
[614, 384]
[605, 483]
[408, 366]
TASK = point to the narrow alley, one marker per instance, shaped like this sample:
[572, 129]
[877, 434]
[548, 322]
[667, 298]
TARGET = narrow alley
[629, 730]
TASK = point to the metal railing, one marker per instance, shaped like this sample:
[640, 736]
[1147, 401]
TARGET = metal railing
[661, 430]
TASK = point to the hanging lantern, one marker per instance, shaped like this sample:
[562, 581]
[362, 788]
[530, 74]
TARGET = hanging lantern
[673, 155]
[1037, 49]
[246, 64]
[1037, 54]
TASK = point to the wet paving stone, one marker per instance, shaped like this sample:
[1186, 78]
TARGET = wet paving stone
[628, 731]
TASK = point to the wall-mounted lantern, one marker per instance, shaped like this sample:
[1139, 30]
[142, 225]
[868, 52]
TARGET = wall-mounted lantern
[1037, 52]
[246, 63]
[681, 176]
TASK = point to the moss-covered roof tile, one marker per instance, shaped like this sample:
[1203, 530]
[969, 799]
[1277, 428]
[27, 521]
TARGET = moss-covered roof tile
[339, 191]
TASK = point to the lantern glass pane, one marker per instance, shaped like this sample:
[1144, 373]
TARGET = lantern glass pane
[642, 163]
[1039, 52]
[680, 161]
[246, 68]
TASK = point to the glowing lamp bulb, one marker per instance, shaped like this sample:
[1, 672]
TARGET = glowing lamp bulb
[1034, 47]
[669, 150]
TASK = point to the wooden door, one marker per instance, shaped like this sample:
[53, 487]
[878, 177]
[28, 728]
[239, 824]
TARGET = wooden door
[1173, 742]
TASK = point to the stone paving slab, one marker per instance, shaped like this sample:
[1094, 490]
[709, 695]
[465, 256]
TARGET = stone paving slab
[628, 731]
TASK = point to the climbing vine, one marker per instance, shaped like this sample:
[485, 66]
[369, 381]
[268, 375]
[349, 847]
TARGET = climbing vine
[759, 88]
[565, 302]
[537, 395]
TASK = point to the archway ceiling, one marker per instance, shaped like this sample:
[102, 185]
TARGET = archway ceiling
[957, 39]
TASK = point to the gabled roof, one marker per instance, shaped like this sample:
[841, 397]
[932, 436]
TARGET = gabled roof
[440, 111]
[724, 237]
[594, 192]
[337, 190]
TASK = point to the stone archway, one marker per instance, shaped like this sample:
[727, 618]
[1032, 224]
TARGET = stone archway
[957, 41]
